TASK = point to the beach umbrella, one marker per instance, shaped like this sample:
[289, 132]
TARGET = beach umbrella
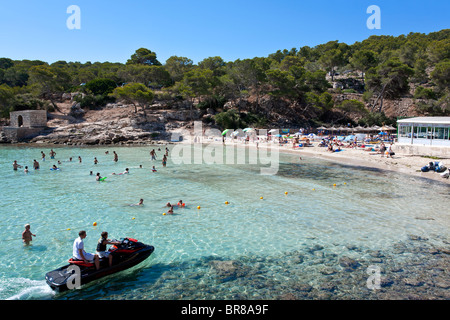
[224, 132]
[322, 128]
[387, 128]
[350, 137]
[359, 128]
[273, 130]
[249, 130]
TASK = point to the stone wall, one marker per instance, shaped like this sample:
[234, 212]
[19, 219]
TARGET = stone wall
[18, 134]
[28, 118]
[419, 150]
[25, 124]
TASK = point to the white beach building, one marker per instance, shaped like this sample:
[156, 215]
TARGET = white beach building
[424, 131]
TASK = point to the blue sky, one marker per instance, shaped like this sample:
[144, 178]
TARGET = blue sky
[112, 30]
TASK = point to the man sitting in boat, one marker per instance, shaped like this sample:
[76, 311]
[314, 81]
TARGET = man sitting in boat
[101, 247]
[79, 253]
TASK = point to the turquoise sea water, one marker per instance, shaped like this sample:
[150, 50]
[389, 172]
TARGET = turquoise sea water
[367, 208]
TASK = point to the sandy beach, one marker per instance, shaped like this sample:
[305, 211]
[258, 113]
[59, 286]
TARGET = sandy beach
[402, 163]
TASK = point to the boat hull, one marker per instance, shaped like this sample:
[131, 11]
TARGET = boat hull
[62, 279]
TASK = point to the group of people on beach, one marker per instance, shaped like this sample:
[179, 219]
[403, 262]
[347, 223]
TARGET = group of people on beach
[335, 145]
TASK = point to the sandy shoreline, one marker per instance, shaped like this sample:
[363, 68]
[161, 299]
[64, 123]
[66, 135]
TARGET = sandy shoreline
[401, 163]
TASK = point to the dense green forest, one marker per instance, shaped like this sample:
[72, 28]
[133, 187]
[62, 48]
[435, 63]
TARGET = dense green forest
[381, 67]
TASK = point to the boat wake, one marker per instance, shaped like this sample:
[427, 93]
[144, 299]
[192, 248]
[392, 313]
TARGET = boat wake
[25, 289]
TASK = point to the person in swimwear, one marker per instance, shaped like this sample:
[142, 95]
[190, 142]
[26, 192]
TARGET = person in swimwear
[16, 165]
[127, 171]
[27, 235]
[141, 203]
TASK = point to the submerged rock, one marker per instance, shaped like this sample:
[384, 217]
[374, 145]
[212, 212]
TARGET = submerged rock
[229, 268]
[348, 264]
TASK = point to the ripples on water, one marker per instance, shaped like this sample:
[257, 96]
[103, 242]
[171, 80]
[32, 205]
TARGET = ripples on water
[271, 240]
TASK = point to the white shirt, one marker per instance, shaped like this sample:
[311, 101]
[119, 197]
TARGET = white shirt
[78, 244]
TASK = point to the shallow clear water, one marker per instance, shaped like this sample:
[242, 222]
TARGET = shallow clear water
[367, 208]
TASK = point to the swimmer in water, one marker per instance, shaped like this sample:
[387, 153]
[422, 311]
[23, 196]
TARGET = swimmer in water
[154, 169]
[98, 177]
[127, 171]
[180, 203]
[141, 203]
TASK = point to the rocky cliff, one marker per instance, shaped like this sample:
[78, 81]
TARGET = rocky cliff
[118, 123]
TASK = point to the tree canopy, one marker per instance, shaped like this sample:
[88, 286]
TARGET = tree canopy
[388, 67]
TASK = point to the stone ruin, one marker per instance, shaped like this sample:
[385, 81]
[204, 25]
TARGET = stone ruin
[25, 124]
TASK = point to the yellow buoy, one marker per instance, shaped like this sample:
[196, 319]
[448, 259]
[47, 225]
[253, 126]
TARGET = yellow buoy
[286, 192]
[314, 189]
[68, 229]
[334, 184]
[198, 207]
[133, 218]
[164, 214]
[345, 182]
[94, 224]
[226, 202]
